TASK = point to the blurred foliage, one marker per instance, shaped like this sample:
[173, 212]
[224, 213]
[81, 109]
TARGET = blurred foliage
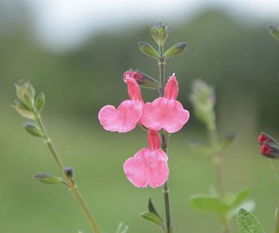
[235, 56]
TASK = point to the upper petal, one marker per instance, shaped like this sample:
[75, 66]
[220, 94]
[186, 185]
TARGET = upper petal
[164, 113]
[171, 88]
[147, 167]
[123, 119]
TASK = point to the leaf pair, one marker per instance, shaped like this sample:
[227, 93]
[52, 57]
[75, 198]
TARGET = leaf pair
[150, 51]
[219, 206]
[152, 215]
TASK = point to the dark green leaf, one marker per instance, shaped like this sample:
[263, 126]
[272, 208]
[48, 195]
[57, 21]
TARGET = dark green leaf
[148, 50]
[152, 214]
[33, 129]
[248, 222]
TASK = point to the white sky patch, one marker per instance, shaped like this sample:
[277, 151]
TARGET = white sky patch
[66, 22]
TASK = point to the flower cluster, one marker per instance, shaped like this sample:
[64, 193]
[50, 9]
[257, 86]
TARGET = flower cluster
[148, 167]
[268, 146]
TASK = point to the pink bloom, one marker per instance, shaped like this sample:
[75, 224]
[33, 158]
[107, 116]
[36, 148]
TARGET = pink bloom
[149, 165]
[125, 117]
[165, 112]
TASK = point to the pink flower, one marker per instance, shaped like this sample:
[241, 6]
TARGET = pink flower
[149, 165]
[125, 117]
[165, 112]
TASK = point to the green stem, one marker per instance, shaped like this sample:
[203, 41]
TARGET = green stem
[69, 181]
[218, 162]
[277, 220]
[164, 144]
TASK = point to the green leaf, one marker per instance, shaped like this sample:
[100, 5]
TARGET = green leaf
[33, 129]
[49, 179]
[22, 110]
[227, 141]
[152, 214]
[40, 102]
[176, 50]
[274, 31]
[240, 198]
[248, 222]
[199, 147]
[209, 204]
[148, 50]
[153, 218]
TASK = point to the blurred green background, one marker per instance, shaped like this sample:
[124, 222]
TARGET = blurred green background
[235, 54]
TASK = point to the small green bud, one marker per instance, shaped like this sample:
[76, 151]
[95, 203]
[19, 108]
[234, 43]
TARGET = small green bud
[176, 49]
[159, 33]
[274, 31]
[25, 93]
[49, 179]
[69, 172]
[33, 129]
[203, 100]
[148, 50]
[40, 102]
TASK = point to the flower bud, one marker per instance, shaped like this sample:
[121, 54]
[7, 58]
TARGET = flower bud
[269, 150]
[264, 138]
[25, 93]
[69, 172]
[159, 33]
[203, 100]
[142, 79]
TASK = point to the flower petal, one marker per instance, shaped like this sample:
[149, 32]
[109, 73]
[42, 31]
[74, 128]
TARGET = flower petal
[147, 167]
[164, 113]
[123, 119]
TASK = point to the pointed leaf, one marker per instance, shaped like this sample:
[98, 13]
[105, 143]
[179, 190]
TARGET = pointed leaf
[209, 204]
[151, 207]
[274, 31]
[176, 50]
[49, 179]
[153, 218]
[33, 129]
[227, 141]
[40, 102]
[248, 222]
[148, 50]
[240, 198]
[152, 214]
[23, 111]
